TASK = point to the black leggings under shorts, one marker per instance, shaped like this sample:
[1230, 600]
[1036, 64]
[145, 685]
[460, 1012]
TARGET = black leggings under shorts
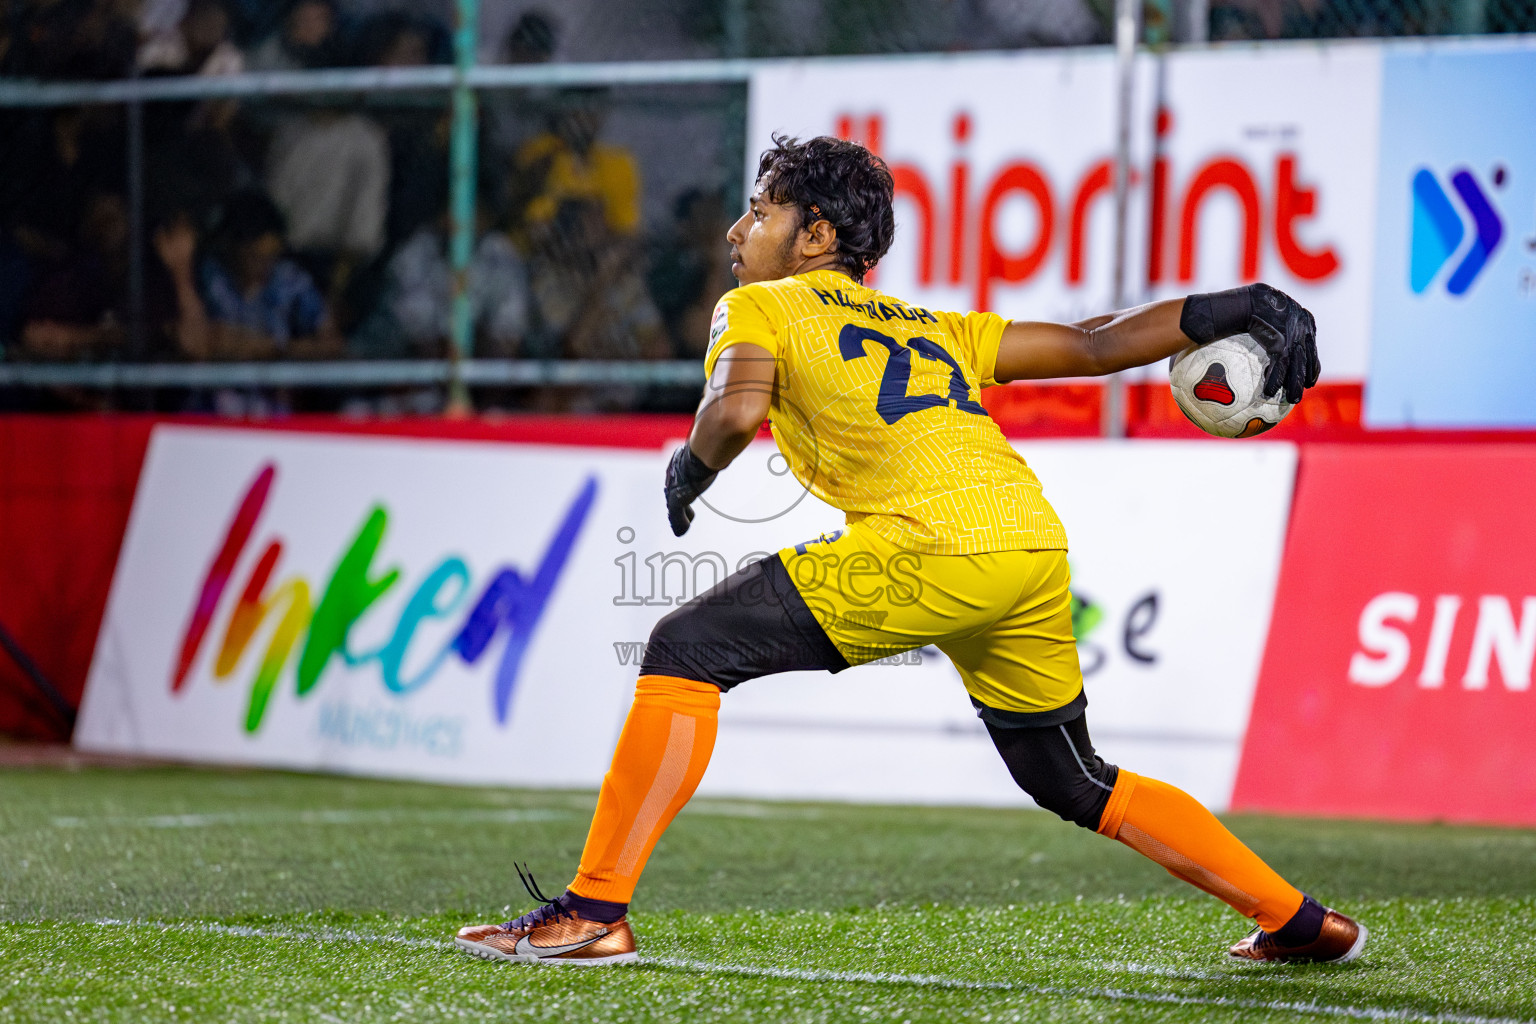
[755, 623]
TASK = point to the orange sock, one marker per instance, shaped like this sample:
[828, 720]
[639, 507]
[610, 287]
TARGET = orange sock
[1171, 827]
[661, 756]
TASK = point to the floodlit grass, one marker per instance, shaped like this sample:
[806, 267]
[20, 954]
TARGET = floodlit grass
[161, 895]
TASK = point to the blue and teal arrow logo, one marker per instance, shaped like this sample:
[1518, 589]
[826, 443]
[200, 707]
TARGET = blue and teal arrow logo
[1438, 230]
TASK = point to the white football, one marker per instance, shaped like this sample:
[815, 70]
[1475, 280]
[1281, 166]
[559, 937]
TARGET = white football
[1220, 387]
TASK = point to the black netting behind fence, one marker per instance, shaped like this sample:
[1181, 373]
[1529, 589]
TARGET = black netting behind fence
[316, 226]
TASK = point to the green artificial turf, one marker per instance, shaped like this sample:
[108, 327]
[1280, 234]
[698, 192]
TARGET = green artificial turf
[185, 895]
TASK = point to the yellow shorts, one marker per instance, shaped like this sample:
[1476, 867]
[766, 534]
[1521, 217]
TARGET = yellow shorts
[1004, 618]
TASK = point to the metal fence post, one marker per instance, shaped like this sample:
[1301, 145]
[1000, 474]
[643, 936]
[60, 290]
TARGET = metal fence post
[462, 177]
[138, 243]
[1192, 21]
[1126, 27]
[733, 40]
[1159, 22]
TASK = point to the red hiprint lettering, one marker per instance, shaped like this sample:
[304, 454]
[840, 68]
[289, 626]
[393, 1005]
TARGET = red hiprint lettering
[976, 253]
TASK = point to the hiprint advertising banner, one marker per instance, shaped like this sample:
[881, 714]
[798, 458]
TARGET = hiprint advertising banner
[1266, 170]
[477, 612]
[1246, 164]
[1397, 680]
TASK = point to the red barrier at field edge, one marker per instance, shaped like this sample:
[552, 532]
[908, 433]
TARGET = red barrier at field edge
[67, 484]
[1396, 682]
[1371, 519]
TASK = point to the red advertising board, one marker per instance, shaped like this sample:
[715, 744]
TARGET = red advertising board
[1396, 682]
[66, 484]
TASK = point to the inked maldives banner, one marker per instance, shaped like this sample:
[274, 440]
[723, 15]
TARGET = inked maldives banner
[389, 606]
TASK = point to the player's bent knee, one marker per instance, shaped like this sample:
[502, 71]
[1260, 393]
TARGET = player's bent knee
[715, 644]
[677, 647]
[753, 623]
[1081, 800]
[1057, 767]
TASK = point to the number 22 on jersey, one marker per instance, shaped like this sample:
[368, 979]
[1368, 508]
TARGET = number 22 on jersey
[893, 402]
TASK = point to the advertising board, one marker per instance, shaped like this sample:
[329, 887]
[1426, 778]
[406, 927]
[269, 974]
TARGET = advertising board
[1174, 602]
[1454, 339]
[1253, 164]
[382, 606]
[1397, 678]
[1001, 166]
[1265, 170]
[477, 612]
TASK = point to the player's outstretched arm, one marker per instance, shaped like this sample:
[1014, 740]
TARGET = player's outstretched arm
[734, 405]
[1033, 350]
[1136, 337]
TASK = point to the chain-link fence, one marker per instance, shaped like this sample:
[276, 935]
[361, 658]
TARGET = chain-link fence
[99, 39]
[246, 243]
[665, 29]
[1327, 19]
[316, 228]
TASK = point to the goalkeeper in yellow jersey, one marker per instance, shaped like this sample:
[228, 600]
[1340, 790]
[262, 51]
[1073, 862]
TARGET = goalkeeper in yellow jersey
[875, 403]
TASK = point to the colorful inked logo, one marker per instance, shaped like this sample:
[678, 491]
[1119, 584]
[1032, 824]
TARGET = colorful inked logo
[509, 603]
[1438, 230]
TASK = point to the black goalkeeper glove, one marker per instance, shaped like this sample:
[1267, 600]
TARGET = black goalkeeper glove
[687, 478]
[1275, 320]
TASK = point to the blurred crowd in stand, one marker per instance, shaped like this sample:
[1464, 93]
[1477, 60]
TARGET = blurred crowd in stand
[315, 226]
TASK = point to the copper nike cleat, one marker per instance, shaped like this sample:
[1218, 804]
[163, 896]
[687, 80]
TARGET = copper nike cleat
[558, 938]
[553, 934]
[1339, 942]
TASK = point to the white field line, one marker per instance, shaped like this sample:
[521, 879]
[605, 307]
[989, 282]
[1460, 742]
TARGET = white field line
[711, 807]
[879, 978]
[1120, 967]
[1080, 992]
[382, 816]
[241, 931]
[390, 816]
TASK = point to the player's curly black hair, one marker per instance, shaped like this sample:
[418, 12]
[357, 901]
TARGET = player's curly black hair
[840, 182]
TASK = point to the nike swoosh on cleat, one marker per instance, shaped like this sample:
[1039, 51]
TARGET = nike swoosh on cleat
[526, 948]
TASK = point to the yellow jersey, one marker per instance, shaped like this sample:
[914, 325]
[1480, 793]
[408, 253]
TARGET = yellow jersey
[877, 410]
